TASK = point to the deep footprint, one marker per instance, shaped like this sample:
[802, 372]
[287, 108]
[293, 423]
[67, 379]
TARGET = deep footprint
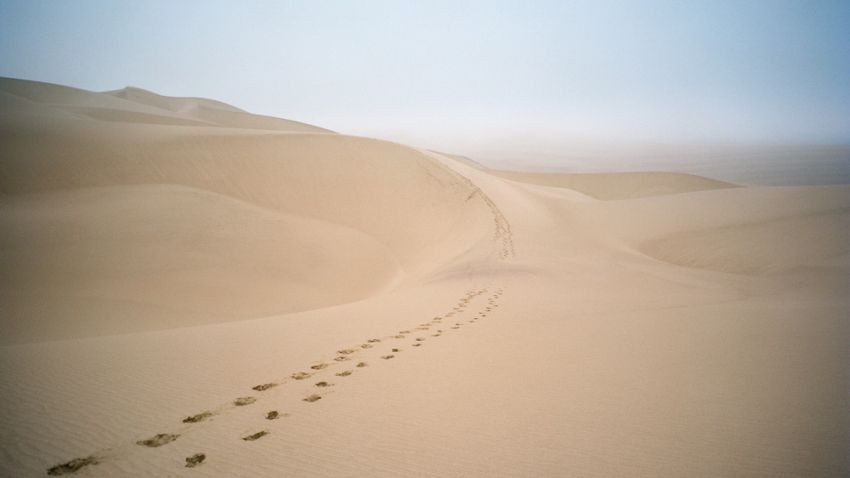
[272, 415]
[195, 460]
[72, 466]
[312, 398]
[197, 418]
[242, 401]
[256, 436]
[263, 387]
[158, 440]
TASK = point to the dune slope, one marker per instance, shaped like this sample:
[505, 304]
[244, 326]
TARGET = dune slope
[113, 219]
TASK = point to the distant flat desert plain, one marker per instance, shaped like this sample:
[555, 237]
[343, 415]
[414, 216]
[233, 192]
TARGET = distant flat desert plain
[189, 289]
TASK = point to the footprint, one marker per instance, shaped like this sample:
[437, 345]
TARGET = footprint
[420, 339]
[195, 460]
[300, 375]
[313, 398]
[341, 358]
[197, 418]
[318, 366]
[396, 350]
[242, 401]
[387, 357]
[272, 415]
[436, 335]
[344, 373]
[404, 332]
[256, 436]
[366, 346]
[416, 345]
[323, 384]
[72, 466]
[158, 440]
[372, 341]
[399, 337]
[362, 364]
[346, 351]
[263, 387]
[423, 328]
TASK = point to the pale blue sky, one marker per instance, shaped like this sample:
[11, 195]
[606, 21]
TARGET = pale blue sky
[450, 74]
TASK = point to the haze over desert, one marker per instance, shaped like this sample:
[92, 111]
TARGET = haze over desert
[193, 289]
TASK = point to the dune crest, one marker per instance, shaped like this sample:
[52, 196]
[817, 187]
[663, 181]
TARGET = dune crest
[265, 223]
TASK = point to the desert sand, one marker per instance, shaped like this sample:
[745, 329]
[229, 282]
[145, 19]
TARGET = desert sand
[189, 289]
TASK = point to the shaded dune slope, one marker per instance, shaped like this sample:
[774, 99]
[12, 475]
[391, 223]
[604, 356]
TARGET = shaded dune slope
[109, 220]
[748, 231]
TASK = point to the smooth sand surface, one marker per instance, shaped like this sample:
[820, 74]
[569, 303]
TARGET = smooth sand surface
[404, 313]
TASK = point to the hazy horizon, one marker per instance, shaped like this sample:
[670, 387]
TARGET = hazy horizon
[459, 76]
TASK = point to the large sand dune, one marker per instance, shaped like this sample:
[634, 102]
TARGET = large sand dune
[404, 312]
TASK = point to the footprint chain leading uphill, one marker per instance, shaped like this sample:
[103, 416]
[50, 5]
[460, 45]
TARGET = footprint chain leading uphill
[345, 363]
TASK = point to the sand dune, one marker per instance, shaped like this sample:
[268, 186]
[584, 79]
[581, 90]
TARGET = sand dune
[310, 213]
[619, 185]
[192, 290]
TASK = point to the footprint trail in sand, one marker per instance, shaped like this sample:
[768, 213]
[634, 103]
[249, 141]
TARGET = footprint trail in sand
[370, 348]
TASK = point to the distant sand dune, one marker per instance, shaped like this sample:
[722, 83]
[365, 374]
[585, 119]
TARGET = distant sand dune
[619, 185]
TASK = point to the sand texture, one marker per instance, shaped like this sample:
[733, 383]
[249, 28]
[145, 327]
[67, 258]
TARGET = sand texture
[189, 289]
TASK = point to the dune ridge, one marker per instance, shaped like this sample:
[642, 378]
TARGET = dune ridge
[192, 290]
[283, 179]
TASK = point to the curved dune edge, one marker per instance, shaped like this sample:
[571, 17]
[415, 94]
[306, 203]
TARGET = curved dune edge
[100, 261]
[759, 248]
[188, 211]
